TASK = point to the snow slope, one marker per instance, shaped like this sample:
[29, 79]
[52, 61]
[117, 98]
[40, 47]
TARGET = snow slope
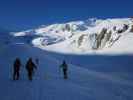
[84, 83]
[98, 53]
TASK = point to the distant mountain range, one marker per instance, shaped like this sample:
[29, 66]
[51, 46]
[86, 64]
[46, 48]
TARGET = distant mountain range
[92, 35]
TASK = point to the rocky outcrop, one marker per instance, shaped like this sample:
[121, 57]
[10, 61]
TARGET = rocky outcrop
[125, 27]
[92, 39]
[131, 30]
[96, 41]
[80, 40]
[100, 37]
[105, 39]
[99, 40]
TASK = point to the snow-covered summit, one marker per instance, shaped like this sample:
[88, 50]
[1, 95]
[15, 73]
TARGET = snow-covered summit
[89, 35]
[59, 28]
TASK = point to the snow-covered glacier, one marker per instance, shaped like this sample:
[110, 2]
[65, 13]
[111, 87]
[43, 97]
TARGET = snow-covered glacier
[89, 36]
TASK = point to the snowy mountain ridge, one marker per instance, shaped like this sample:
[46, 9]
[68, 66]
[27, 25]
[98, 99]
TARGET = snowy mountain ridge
[82, 36]
[90, 77]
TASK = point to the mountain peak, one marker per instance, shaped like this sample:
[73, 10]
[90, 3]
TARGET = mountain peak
[89, 35]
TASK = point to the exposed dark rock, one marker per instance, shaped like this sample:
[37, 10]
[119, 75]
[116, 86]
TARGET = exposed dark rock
[131, 29]
[125, 27]
[92, 39]
[113, 41]
[100, 37]
[108, 36]
[67, 27]
[56, 31]
[105, 39]
[114, 28]
[119, 31]
[80, 40]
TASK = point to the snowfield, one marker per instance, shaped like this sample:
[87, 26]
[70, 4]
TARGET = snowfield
[99, 54]
[90, 77]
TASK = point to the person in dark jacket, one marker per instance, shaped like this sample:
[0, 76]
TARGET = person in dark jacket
[16, 69]
[64, 67]
[30, 66]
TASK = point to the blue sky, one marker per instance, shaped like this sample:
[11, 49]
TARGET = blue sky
[24, 14]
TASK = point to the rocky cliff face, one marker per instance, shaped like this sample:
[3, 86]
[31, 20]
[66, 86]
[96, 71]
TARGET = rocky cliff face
[104, 34]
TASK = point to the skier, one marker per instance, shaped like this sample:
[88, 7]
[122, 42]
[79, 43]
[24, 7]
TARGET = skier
[30, 66]
[64, 67]
[16, 69]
